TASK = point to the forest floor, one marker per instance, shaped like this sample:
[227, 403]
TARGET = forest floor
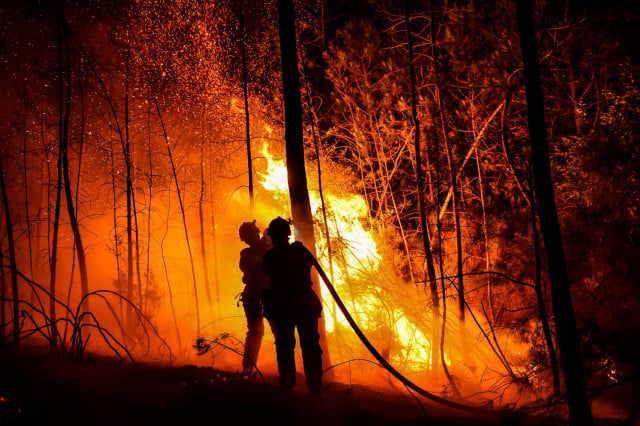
[40, 389]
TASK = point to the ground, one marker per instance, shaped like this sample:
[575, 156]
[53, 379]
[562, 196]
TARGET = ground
[37, 388]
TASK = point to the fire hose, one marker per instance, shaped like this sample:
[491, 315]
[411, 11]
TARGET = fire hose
[383, 362]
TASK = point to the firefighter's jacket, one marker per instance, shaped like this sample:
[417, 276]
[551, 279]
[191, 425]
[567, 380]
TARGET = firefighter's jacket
[289, 271]
[251, 266]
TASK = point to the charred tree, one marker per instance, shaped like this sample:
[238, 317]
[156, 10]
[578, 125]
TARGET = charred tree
[424, 224]
[64, 147]
[456, 215]
[294, 142]
[568, 339]
[542, 309]
[245, 91]
[25, 170]
[3, 296]
[150, 197]
[15, 295]
[129, 194]
[116, 239]
[214, 243]
[203, 250]
[132, 212]
[53, 258]
[174, 173]
[529, 196]
[77, 191]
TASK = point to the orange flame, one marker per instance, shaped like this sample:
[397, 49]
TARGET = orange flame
[359, 258]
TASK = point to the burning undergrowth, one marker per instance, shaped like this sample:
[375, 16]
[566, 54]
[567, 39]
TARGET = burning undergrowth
[395, 314]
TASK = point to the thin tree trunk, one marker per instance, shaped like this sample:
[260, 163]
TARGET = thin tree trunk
[131, 178]
[485, 232]
[82, 265]
[316, 146]
[137, 246]
[53, 261]
[527, 192]
[179, 193]
[166, 274]
[129, 194]
[149, 195]
[456, 216]
[245, 92]
[115, 221]
[443, 289]
[77, 191]
[542, 310]
[184, 217]
[15, 295]
[40, 195]
[424, 224]
[3, 294]
[382, 164]
[435, 53]
[297, 178]
[203, 250]
[26, 186]
[568, 339]
[214, 243]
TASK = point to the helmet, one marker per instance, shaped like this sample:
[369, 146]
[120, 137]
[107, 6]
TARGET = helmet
[279, 226]
[248, 230]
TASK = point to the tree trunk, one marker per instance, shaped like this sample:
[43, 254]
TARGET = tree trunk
[116, 241]
[150, 197]
[424, 224]
[130, 178]
[174, 173]
[82, 264]
[26, 187]
[53, 260]
[129, 194]
[214, 243]
[245, 92]
[203, 249]
[12, 261]
[77, 191]
[297, 178]
[456, 216]
[568, 339]
[542, 310]
[3, 295]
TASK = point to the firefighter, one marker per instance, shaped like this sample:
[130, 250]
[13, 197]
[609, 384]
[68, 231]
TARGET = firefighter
[255, 281]
[291, 303]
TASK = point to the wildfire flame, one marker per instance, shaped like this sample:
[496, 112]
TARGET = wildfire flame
[359, 258]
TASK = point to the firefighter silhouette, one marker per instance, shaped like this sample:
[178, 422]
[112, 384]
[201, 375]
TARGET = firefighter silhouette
[255, 282]
[291, 303]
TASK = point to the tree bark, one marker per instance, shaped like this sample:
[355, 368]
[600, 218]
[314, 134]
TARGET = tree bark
[203, 249]
[15, 296]
[456, 216]
[296, 173]
[129, 193]
[568, 339]
[245, 92]
[26, 186]
[64, 146]
[53, 259]
[3, 295]
[424, 224]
